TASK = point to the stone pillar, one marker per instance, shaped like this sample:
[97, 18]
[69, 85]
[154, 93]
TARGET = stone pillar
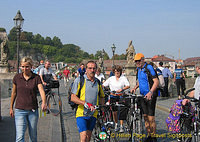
[132, 81]
[0, 103]
[4, 68]
[130, 71]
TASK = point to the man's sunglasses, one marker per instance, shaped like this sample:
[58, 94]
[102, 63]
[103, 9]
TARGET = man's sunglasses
[137, 61]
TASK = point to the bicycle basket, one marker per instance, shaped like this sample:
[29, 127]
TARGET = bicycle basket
[54, 84]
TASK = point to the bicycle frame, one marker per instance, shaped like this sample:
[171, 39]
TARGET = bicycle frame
[135, 124]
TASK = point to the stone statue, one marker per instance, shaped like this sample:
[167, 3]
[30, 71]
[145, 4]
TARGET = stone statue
[100, 61]
[130, 52]
[4, 51]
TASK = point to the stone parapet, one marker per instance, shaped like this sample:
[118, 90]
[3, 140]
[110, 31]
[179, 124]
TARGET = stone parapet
[6, 84]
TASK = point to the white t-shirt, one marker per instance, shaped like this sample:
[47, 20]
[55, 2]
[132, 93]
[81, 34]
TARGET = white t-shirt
[100, 76]
[197, 88]
[161, 68]
[115, 84]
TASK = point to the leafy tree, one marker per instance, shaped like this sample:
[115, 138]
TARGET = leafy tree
[38, 39]
[86, 55]
[29, 36]
[99, 54]
[106, 57]
[12, 50]
[119, 57]
[12, 36]
[91, 56]
[23, 37]
[2, 30]
[57, 42]
[48, 41]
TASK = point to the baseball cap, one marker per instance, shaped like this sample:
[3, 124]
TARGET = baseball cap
[138, 56]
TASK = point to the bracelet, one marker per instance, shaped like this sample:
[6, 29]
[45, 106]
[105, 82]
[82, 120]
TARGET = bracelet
[151, 92]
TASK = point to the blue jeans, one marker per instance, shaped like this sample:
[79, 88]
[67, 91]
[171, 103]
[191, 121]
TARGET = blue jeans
[24, 118]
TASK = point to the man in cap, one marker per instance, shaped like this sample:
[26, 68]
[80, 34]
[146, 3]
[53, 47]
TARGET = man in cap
[40, 66]
[147, 81]
[166, 74]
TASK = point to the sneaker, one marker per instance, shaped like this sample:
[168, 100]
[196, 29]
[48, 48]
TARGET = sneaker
[121, 130]
[154, 139]
[116, 128]
[148, 139]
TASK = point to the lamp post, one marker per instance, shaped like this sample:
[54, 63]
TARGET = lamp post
[18, 20]
[113, 50]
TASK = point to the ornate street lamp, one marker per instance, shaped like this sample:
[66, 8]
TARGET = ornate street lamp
[19, 20]
[113, 50]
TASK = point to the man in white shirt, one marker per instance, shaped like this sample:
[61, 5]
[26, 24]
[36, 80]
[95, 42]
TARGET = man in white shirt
[196, 93]
[161, 66]
[47, 73]
[99, 75]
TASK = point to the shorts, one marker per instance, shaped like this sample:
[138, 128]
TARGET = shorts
[85, 123]
[149, 106]
[114, 99]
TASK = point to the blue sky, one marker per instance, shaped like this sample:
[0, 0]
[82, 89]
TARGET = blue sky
[154, 26]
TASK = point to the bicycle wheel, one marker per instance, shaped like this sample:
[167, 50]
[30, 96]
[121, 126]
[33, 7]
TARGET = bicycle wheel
[187, 129]
[129, 120]
[137, 128]
[54, 104]
[95, 132]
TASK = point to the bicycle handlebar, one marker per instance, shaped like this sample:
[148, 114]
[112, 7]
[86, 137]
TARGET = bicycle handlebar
[106, 105]
[129, 94]
[188, 91]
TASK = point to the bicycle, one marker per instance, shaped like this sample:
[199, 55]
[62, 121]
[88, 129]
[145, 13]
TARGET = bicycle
[134, 117]
[54, 103]
[103, 124]
[186, 125]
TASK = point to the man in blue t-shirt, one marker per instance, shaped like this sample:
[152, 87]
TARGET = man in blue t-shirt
[81, 71]
[147, 81]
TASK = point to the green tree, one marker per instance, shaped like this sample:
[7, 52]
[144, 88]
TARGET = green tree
[38, 39]
[48, 41]
[99, 54]
[29, 36]
[12, 36]
[2, 30]
[57, 42]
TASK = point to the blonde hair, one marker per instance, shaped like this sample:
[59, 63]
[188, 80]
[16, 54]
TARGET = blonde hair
[27, 60]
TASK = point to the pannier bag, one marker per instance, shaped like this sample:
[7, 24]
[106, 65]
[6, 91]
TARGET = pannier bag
[173, 120]
[54, 84]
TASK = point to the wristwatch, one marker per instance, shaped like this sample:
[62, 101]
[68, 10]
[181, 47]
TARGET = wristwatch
[151, 92]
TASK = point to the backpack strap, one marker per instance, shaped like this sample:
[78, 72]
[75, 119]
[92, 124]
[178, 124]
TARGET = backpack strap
[149, 75]
[82, 80]
[99, 84]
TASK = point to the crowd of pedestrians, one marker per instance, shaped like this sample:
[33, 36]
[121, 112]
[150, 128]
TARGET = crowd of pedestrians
[27, 83]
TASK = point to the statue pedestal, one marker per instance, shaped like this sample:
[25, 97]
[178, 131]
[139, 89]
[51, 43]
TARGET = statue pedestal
[4, 68]
[130, 71]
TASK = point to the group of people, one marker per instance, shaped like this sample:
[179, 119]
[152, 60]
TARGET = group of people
[178, 79]
[91, 95]
[146, 82]
[24, 95]
[26, 84]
